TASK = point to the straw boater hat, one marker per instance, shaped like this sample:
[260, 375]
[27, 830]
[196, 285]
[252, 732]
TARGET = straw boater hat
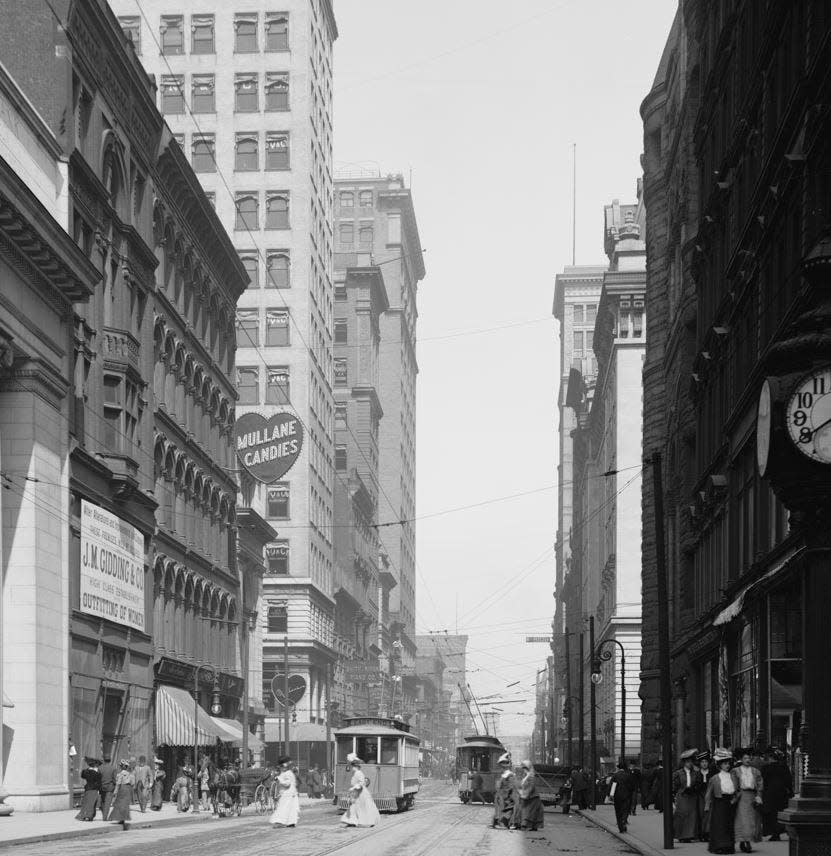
[722, 755]
[689, 753]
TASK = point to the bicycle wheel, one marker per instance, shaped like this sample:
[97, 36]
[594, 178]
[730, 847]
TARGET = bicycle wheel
[261, 799]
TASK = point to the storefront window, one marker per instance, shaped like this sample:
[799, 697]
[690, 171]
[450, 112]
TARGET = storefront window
[785, 610]
[744, 690]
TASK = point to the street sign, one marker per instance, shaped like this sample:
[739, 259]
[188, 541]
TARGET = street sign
[297, 689]
[545, 639]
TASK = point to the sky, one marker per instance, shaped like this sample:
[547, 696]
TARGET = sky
[479, 110]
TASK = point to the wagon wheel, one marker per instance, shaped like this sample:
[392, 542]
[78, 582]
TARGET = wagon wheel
[261, 799]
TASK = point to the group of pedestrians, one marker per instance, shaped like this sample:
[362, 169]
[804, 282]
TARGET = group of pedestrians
[516, 803]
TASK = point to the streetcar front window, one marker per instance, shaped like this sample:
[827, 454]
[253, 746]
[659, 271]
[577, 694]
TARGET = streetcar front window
[367, 749]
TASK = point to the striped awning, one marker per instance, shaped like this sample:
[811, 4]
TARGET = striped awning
[174, 720]
[234, 730]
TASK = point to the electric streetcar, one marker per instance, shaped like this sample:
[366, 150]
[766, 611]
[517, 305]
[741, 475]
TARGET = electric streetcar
[478, 754]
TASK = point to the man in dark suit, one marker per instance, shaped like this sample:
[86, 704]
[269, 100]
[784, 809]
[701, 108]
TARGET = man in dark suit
[778, 789]
[580, 787]
[107, 786]
[621, 792]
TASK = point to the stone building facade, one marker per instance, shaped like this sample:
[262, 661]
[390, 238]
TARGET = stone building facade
[736, 161]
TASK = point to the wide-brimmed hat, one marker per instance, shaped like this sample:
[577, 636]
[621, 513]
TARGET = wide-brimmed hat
[352, 758]
[688, 754]
[124, 763]
[284, 759]
[722, 755]
[504, 759]
[158, 761]
[526, 764]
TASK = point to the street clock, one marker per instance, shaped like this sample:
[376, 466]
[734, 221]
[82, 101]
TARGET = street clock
[808, 415]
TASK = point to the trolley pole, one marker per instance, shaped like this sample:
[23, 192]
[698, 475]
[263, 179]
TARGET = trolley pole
[286, 743]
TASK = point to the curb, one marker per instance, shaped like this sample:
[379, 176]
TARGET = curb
[137, 823]
[626, 837]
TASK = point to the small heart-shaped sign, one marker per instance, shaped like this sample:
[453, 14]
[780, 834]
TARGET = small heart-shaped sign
[268, 448]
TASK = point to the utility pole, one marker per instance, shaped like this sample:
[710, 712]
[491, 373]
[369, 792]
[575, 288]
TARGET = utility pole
[593, 724]
[663, 649]
[552, 720]
[582, 697]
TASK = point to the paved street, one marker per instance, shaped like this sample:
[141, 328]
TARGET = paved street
[439, 825]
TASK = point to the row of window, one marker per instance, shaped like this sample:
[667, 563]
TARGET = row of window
[347, 199]
[277, 385]
[247, 203]
[247, 34]
[584, 313]
[246, 93]
[277, 328]
[247, 147]
[277, 268]
[366, 235]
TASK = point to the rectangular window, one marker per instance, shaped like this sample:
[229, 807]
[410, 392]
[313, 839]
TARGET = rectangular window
[276, 90]
[278, 619]
[394, 229]
[340, 291]
[366, 237]
[340, 458]
[172, 31]
[245, 26]
[202, 93]
[247, 211]
[112, 412]
[340, 413]
[248, 385]
[252, 267]
[347, 199]
[131, 27]
[591, 313]
[278, 388]
[277, 501]
[578, 313]
[248, 328]
[173, 94]
[341, 331]
[277, 211]
[203, 150]
[346, 234]
[277, 328]
[202, 34]
[578, 343]
[278, 269]
[277, 558]
[277, 31]
[276, 150]
[365, 199]
[246, 99]
[246, 152]
[340, 371]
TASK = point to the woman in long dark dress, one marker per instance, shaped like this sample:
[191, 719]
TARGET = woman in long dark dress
[686, 783]
[719, 803]
[92, 784]
[504, 800]
[159, 776]
[125, 782]
[531, 811]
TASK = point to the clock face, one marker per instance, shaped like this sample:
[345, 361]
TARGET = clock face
[808, 417]
[763, 425]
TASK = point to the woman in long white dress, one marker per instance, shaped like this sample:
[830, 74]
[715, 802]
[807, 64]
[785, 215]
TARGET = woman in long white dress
[362, 810]
[287, 812]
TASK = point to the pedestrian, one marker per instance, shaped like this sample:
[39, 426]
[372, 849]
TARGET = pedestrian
[108, 774]
[580, 784]
[92, 787]
[656, 797]
[315, 783]
[635, 775]
[749, 787]
[361, 810]
[621, 792]
[476, 785]
[159, 775]
[144, 782]
[205, 777]
[531, 810]
[181, 790]
[566, 791]
[122, 794]
[719, 804]
[777, 790]
[287, 811]
[686, 784]
[504, 800]
[706, 771]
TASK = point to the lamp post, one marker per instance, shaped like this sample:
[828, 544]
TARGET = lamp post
[600, 654]
[216, 709]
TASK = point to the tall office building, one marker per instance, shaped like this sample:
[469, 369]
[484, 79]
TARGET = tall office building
[375, 215]
[247, 91]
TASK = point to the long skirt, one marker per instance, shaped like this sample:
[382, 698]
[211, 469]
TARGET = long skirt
[721, 826]
[362, 810]
[687, 823]
[183, 799]
[156, 799]
[531, 816]
[89, 805]
[504, 808]
[287, 811]
[120, 810]
[747, 825]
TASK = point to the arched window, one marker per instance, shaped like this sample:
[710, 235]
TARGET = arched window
[278, 265]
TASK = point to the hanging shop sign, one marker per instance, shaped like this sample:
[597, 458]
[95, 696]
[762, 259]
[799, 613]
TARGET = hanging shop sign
[268, 447]
[112, 568]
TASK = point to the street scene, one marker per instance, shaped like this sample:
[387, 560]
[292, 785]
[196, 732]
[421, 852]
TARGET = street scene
[415, 426]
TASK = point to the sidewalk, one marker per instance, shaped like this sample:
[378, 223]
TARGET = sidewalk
[30, 827]
[646, 834]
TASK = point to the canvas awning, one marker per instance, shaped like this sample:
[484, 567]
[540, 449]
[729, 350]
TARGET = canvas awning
[7, 702]
[175, 725]
[298, 731]
[233, 728]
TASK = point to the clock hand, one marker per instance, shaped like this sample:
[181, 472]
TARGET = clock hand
[820, 426]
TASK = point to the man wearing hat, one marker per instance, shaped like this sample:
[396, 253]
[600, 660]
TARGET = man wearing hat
[776, 791]
[686, 784]
[621, 794]
[108, 774]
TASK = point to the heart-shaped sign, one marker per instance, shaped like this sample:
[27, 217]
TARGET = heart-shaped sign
[268, 447]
